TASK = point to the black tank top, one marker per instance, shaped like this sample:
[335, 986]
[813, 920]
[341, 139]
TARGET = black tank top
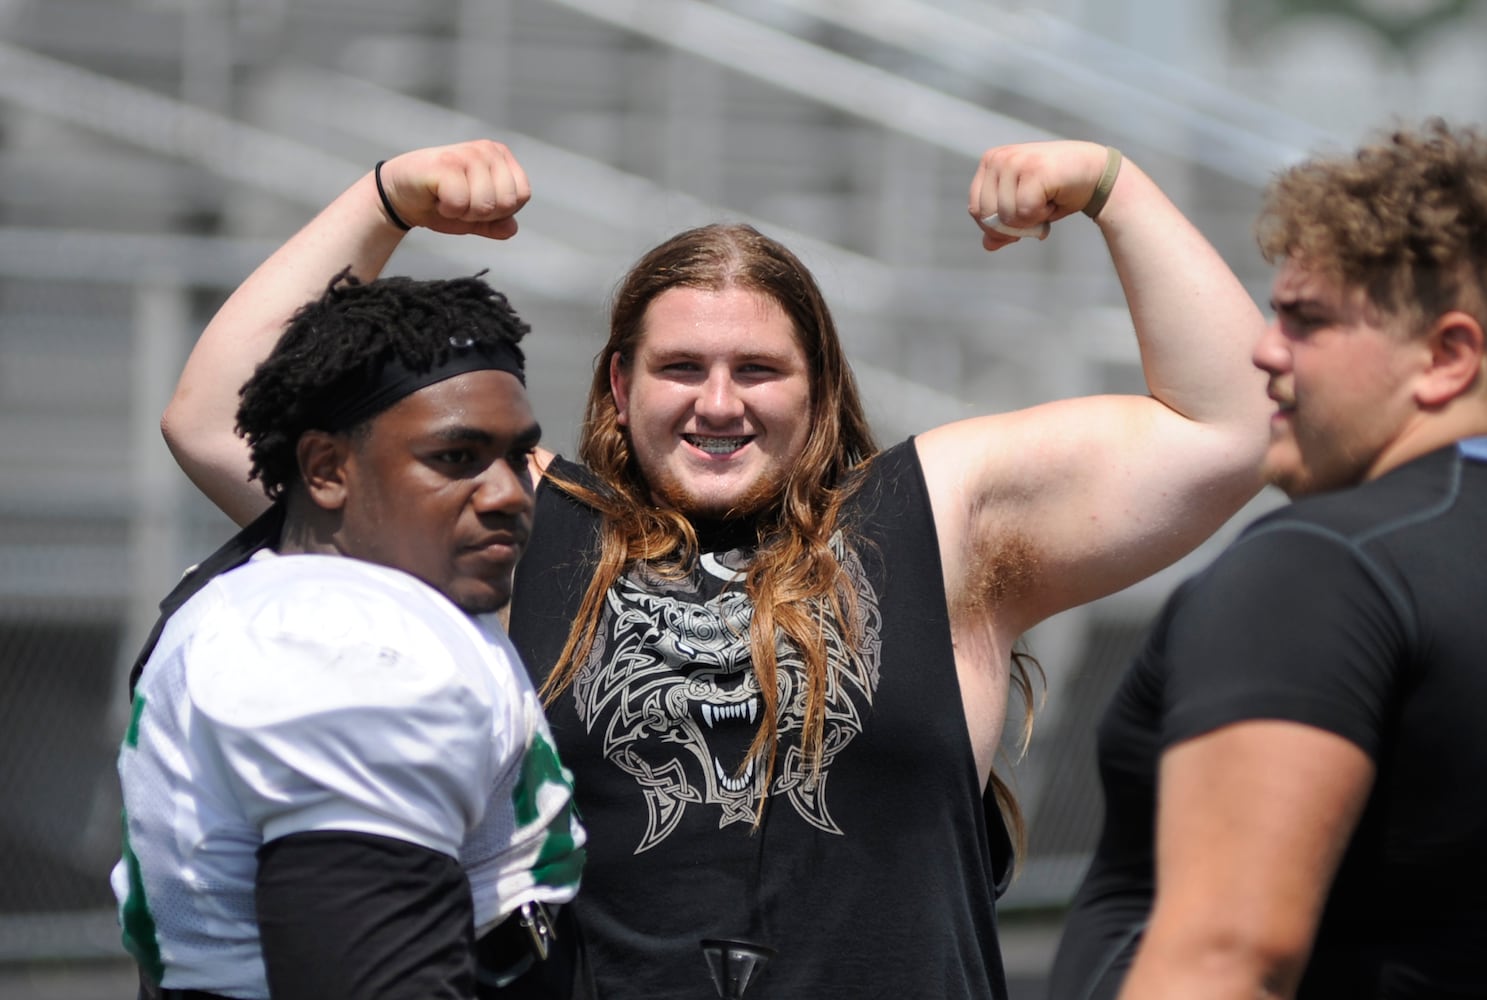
[874, 878]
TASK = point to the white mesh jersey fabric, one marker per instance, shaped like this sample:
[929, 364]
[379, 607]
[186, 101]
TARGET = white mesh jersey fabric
[304, 693]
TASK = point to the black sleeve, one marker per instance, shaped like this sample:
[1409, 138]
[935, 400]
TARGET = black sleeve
[351, 916]
[1289, 623]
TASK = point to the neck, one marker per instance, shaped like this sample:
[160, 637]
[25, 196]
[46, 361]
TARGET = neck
[722, 534]
[1431, 430]
[308, 529]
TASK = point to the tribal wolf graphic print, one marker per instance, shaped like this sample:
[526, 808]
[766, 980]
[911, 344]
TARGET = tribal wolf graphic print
[670, 680]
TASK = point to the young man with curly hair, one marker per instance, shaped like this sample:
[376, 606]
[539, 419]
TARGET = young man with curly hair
[1292, 765]
[777, 657]
[338, 780]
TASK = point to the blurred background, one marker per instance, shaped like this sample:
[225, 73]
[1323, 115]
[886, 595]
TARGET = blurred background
[152, 152]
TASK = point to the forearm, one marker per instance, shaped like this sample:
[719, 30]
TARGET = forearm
[1195, 323]
[199, 420]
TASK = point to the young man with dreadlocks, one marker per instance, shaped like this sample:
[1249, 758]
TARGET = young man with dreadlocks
[338, 777]
[777, 657]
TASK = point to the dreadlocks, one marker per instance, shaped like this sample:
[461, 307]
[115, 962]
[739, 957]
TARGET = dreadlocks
[337, 346]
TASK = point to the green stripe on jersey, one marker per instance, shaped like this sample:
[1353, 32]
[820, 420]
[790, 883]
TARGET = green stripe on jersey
[559, 860]
[140, 938]
[131, 735]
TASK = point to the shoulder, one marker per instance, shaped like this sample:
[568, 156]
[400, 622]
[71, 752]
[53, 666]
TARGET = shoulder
[560, 475]
[342, 695]
[1304, 578]
[1360, 532]
[1286, 565]
[299, 636]
[896, 470]
[567, 516]
[1296, 621]
[333, 597]
[1409, 495]
[894, 460]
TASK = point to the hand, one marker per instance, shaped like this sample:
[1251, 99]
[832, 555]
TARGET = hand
[471, 188]
[1030, 185]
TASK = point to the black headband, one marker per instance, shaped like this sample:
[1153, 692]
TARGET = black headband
[394, 380]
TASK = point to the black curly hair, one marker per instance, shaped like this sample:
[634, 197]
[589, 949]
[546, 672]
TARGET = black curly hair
[335, 348]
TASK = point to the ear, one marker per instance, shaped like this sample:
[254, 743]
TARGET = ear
[322, 467]
[619, 387]
[1455, 342]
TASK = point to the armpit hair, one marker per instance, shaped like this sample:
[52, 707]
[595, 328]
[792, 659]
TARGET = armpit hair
[999, 566]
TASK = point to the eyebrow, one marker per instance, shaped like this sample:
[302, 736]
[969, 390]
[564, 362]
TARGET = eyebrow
[1296, 305]
[529, 437]
[463, 433]
[691, 354]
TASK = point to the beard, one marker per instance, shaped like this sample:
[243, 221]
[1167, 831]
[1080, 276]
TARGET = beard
[763, 494]
[1307, 463]
[481, 600]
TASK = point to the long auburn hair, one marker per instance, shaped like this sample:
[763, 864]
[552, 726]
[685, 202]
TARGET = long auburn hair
[797, 585]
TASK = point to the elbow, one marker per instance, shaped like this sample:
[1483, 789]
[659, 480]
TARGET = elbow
[191, 446]
[1246, 482]
[1269, 968]
[1241, 459]
[193, 436]
[213, 458]
[1227, 960]
[175, 429]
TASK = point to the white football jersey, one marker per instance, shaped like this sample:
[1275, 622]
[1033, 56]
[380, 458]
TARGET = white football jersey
[309, 692]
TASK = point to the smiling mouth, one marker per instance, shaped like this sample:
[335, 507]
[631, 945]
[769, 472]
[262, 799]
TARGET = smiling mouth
[716, 445]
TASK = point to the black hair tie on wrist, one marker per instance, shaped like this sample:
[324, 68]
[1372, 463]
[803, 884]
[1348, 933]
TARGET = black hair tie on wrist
[392, 215]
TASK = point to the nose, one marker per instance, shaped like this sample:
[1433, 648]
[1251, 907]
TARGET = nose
[1270, 353]
[503, 488]
[720, 400]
